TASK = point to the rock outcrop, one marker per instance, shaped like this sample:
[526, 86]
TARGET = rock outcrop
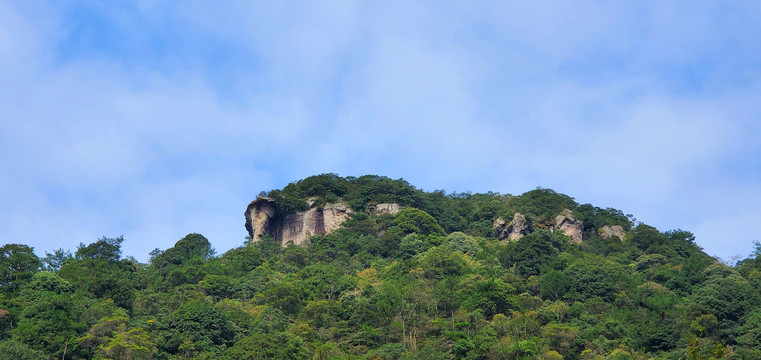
[515, 230]
[259, 215]
[386, 208]
[262, 218]
[612, 231]
[568, 225]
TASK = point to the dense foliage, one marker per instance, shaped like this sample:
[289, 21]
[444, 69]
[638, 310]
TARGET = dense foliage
[430, 282]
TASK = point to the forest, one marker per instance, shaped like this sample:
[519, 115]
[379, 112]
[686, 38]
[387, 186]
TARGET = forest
[432, 281]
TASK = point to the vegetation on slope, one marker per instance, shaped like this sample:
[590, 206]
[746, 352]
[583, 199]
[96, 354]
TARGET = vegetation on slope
[431, 282]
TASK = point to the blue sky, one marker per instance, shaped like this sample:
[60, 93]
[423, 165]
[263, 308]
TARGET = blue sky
[154, 119]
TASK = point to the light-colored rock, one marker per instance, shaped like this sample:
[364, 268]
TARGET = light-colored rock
[515, 230]
[333, 215]
[612, 231]
[501, 226]
[296, 228]
[569, 225]
[386, 208]
[259, 215]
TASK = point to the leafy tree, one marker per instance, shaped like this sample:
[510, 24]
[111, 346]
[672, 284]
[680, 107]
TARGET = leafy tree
[749, 333]
[595, 277]
[54, 261]
[411, 245]
[12, 349]
[197, 324]
[322, 281]
[97, 268]
[275, 346]
[108, 249]
[241, 260]
[595, 218]
[217, 286]
[555, 284]
[542, 202]
[132, 344]
[47, 281]
[17, 265]
[192, 246]
[531, 252]
[729, 298]
[492, 296]
[463, 243]
[411, 220]
[647, 237]
[50, 323]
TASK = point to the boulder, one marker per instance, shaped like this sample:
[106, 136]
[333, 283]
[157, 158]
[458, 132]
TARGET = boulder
[386, 208]
[569, 225]
[612, 231]
[515, 230]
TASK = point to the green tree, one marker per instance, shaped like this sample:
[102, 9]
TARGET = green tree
[411, 220]
[532, 252]
[14, 350]
[541, 202]
[463, 243]
[241, 260]
[411, 245]
[555, 284]
[728, 297]
[17, 265]
[50, 323]
[199, 324]
[97, 268]
[492, 296]
[593, 276]
[54, 261]
[104, 249]
[192, 246]
[275, 346]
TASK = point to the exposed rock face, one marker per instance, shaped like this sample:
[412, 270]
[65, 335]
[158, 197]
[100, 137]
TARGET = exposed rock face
[262, 218]
[611, 231]
[568, 225]
[515, 230]
[386, 208]
[259, 215]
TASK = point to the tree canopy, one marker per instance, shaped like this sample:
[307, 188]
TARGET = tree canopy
[432, 281]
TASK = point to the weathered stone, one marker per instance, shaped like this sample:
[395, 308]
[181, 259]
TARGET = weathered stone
[568, 225]
[500, 225]
[262, 218]
[612, 231]
[386, 208]
[515, 230]
[334, 214]
[259, 215]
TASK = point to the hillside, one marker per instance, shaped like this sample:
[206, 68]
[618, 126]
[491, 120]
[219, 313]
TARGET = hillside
[373, 268]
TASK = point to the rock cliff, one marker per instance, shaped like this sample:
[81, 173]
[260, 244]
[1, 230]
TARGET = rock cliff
[262, 218]
[515, 230]
[259, 215]
[568, 225]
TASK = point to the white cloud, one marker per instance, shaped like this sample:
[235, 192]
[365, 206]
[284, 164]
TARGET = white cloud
[601, 102]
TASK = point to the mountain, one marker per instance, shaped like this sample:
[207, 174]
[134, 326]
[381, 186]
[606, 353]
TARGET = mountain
[373, 268]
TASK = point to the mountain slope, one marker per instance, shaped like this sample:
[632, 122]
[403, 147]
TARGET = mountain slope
[407, 274]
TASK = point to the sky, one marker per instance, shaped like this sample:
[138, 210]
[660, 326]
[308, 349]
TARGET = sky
[154, 119]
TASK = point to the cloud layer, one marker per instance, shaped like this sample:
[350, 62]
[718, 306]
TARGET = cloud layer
[156, 119]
